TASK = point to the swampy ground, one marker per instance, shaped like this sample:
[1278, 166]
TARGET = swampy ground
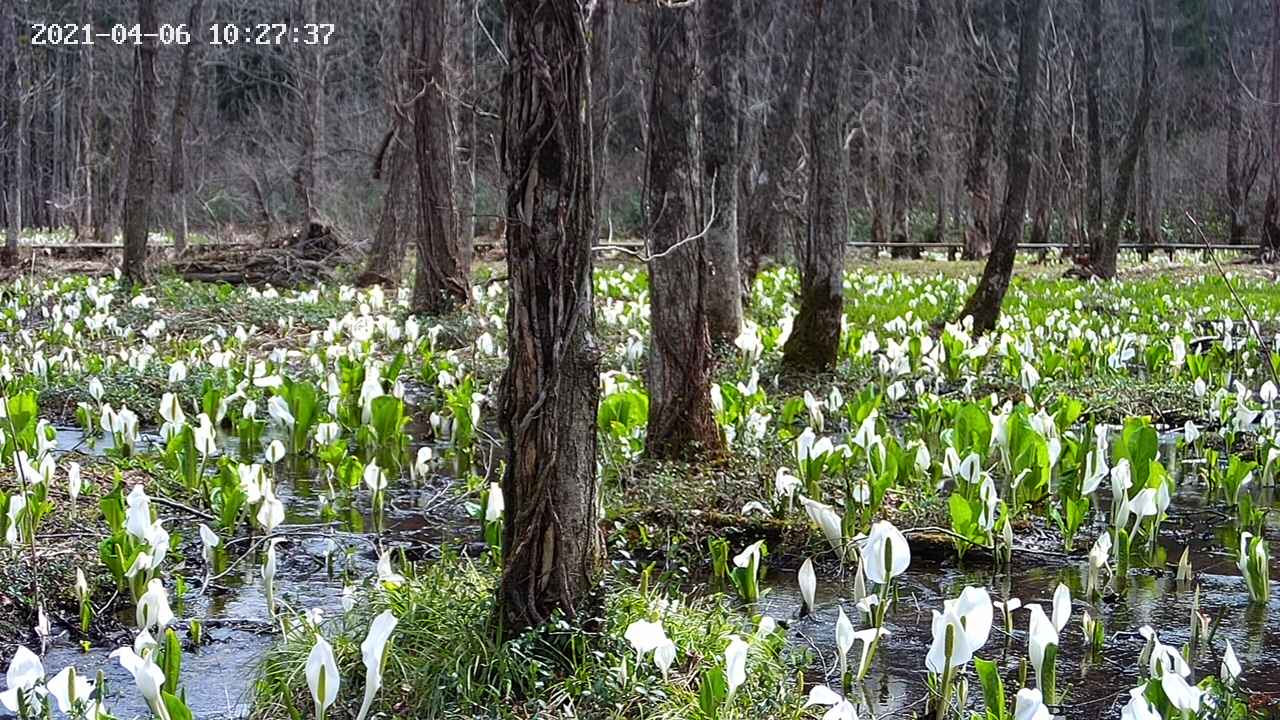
[1100, 356]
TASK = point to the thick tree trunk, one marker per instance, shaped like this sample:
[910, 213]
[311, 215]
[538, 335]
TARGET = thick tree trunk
[765, 215]
[389, 240]
[553, 550]
[815, 334]
[137, 203]
[681, 424]
[1103, 263]
[1093, 111]
[441, 279]
[177, 132]
[721, 26]
[984, 305]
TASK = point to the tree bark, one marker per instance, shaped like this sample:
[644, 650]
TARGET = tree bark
[765, 215]
[444, 262]
[1103, 263]
[681, 424]
[137, 203]
[553, 550]
[721, 27]
[815, 334]
[984, 305]
[177, 132]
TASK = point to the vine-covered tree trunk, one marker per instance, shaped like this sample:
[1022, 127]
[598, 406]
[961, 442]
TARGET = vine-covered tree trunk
[721, 27]
[553, 551]
[1103, 262]
[441, 279]
[766, 213]
[984, 305]
[177, 133]
[137, 202]
[815, 334]
[680, 424]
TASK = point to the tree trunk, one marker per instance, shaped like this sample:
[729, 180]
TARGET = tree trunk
[1093, 111]
[1235, 193]
[387, 254]
[441, 279]
[462, 71]
[765, 215]
[553, 550]
[310, 69]
[815, 334]
[681, 424]
[1271, 211]
[984, 305]
[177, 141]
[721, 26]
[983, 104]
[137, 203]
[601, 102]
[1103, 264]
[14, 107]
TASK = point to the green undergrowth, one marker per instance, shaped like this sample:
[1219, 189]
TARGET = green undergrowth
[444, 663]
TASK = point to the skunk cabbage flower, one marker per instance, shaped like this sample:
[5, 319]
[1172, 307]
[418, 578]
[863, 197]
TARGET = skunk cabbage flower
[838, 707]
[885, 553]
[24, 674]
[808, 584]
[322, 676]
[68, 688]
[1029, 705]
[735, 663]
[374, 652]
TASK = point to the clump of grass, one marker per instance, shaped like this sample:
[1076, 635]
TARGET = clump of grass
[444, 663]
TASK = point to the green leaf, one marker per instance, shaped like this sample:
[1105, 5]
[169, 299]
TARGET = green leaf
[992, 689]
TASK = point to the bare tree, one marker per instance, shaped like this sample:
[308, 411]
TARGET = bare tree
[178, 129]
[1106, 251]
[679, 373]
[815, 334]
[983, 101]
[137, 202]
[765, 212]
[721, 30]
[601, 89]
[553, 550]
[1093, 89]
[15, 115]
[984, 305]
[394, 159]
[441, 279]
[310, 69]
